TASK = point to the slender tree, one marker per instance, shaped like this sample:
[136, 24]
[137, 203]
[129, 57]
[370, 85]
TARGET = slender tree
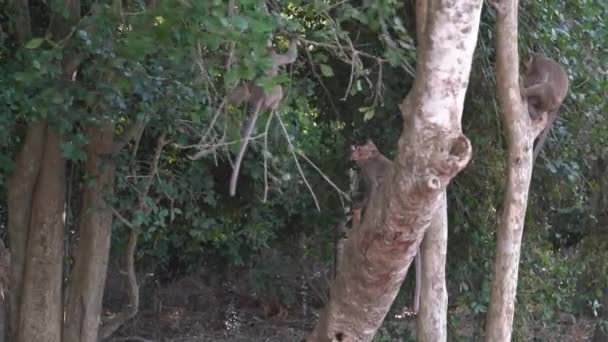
[521, 131]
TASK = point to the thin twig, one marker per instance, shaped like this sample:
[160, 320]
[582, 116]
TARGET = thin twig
[333, 185]
[350, 80]
[212, 123]
[320, 80]
[338, 46]
[266, 153]
[292, 150]
[205, 149]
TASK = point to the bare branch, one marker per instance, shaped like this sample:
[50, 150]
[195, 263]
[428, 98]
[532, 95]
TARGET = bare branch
[295, 158]
[333, 185]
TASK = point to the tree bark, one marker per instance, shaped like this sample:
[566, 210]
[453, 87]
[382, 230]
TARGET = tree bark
[5, 266]
[521, 131]
[20, 185]
[85, 290]
[41, 311]
[20, 191]
[431, 151]
[431, 322]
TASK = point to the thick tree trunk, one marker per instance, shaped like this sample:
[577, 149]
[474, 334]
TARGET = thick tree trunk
[41, 313]
[521, 132]
[431, 323]
[85, 290]
[432, 150]
[19, 199]
[5, 266]
[20, 185]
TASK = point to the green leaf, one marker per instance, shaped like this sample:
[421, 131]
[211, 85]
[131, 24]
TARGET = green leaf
[326, 70]
[240, 23]
[369, 114]
[34, 43]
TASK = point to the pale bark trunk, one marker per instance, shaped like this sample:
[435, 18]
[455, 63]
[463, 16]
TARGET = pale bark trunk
[521, 132]
[41, 311]
[85, 290]
[431, 319]
[432, 150]
[431, 322]
[20, 191]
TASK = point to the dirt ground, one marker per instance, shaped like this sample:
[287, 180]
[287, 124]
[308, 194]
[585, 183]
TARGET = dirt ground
[188, 310]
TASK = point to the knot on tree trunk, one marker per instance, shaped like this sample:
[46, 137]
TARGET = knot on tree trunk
[451, 153]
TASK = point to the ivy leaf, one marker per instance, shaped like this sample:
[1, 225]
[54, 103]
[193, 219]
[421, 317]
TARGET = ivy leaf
[326, 70]
[34, 43]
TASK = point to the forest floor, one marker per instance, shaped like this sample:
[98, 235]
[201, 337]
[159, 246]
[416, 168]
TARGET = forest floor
[188, 310]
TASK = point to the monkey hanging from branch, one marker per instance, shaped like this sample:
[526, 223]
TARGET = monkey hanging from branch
[375, 167]
[544, 87]
[258, 101]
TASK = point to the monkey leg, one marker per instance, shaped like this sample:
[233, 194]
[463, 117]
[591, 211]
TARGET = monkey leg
[498, 6]
[418, 265]
[543, 95]
[406, 311]
[239, 95]
[273, 98]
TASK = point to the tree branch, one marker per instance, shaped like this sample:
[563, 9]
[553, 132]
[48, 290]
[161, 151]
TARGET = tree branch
[131, 132]
[132, 307]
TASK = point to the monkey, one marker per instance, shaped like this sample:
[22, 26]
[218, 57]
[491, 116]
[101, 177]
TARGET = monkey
[375, 167]
[544, 87]
[259, 101]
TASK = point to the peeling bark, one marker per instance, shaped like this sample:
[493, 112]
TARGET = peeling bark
[41, 313]
[521, 132]
[431, 151]
[431, 322]
[85, 290]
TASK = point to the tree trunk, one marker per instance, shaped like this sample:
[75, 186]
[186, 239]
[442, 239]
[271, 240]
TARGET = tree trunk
[431, 323]
[432, 150]
[521, 132]
[85, 290]
[20, 185]
[40, 315]
[20, 189]
[5, 266]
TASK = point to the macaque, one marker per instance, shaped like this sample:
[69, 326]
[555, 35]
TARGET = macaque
[259, 101]
[375, 167]
[545, 87]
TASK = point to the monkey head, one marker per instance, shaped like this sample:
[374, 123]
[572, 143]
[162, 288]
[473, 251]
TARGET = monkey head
[364, 151]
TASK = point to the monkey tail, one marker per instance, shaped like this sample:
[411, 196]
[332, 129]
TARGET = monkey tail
[543, 135]
[239, 157]
[418, 266]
